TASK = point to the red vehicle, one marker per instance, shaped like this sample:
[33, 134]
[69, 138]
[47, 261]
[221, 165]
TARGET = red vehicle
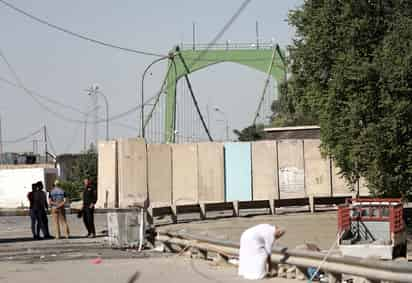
[372, 227]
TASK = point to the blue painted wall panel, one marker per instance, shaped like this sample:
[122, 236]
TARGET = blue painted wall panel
[238, 171]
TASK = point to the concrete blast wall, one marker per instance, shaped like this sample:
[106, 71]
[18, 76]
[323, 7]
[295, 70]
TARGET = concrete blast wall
[264, 170]
[214, 172]
[211, 172]
[132, 161]
[291, 169]
[339, 185]
[159, 158]
[317, 170]
[238, 169]
[185, 174]
[107, 190]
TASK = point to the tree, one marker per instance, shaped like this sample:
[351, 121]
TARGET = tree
[85, 166]
[351, 67]
[251, 133]
[288, 113]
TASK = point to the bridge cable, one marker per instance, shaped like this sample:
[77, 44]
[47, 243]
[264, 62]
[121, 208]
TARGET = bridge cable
[189, 85]
[269, 74]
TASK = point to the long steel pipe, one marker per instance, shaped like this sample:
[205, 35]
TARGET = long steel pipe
[370, 269]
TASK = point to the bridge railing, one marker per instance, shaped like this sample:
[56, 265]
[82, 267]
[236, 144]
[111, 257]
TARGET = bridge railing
[228, 45]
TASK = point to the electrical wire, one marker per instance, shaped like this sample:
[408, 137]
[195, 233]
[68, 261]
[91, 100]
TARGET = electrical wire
[74, 136]
[34, 96]
[49, 141]
[220, 33]
[75, 34]
[100, 120]
[24, 138]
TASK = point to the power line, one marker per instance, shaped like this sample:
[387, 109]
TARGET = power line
[78, 35]
[21, 139]
[34, 94]
[51, 144]
[220, 33]
[51, 100]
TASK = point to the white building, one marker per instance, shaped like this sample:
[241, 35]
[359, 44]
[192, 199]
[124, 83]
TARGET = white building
[16, 181]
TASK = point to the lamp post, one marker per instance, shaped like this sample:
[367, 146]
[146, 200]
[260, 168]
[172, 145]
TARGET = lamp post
[142, 90]
[217, 109]
[94, 89]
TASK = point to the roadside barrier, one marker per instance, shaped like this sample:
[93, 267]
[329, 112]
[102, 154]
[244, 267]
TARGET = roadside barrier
[334, 267]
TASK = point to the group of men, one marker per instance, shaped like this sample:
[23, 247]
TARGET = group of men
[57, 200]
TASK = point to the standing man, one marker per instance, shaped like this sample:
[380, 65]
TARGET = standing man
[32, 215]
[44, 211]
[39, 204]
[255, 250]
[57, 200]
[89, 201]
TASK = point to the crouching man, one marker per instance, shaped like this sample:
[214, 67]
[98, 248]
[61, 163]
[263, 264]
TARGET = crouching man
[255, 249]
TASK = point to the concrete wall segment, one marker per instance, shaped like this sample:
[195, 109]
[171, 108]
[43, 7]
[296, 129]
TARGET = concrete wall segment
[159, 174]
[184, 174]
[107, 187]
[317, 170]
[264, 170]
[291, 169]
[132, 164]
[211, 172]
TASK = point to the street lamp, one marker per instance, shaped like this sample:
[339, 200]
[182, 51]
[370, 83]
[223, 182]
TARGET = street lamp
[94, 89]
[142, 89]
[217, 109]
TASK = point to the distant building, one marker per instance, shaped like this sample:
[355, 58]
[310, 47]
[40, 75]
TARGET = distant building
[65, 163]
[299, 132]
[17, 158]
[16, 181]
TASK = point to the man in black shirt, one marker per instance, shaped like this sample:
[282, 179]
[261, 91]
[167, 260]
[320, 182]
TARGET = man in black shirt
[33, 218]
[89, 201]
[39, 205]
[43, 212]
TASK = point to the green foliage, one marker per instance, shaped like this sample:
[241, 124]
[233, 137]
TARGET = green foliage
[286, 112]
[351, 67]
[84, 167]
[251, 133]
[72, 191]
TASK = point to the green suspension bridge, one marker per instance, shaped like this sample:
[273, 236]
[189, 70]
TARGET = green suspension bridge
[175, 116]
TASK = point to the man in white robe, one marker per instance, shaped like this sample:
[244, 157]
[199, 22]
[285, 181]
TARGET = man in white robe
[255, 249]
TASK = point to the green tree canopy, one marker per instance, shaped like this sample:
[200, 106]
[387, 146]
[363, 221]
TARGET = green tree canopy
[351, 65]
[251, 133]
[85, 166]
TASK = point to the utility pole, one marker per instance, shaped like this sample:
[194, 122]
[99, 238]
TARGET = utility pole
[85, 133]
[1, 144]
[257, 35]
[194, 36]
[45, 142]
[35, 146]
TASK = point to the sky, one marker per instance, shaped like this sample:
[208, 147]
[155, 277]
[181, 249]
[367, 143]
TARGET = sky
[62, 67]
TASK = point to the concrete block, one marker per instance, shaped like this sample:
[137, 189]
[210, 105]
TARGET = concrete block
[264, 171]
[185, 174]
[211, 172]
[107, 186]
[340, 187]
[132, 164]
[291, 169]
[238, 171]
[317, 170]
[159, 158]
